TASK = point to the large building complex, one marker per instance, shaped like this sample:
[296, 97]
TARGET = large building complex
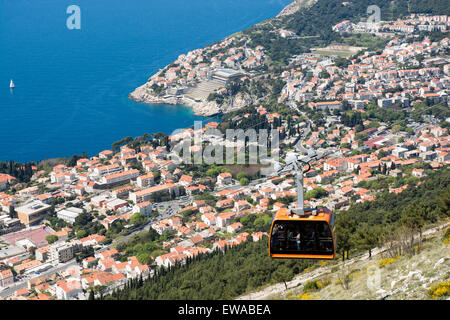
[32, 212]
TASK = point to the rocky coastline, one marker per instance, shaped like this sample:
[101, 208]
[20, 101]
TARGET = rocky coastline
[205, 108]
[202, 108]
[294, 6]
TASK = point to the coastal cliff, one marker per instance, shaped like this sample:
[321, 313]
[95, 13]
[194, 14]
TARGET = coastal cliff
[294, 6]
[202, 108]
[189, 80]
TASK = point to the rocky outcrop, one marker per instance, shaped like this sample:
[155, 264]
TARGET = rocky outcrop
[144, 94]
[202, 108]
[294, 6]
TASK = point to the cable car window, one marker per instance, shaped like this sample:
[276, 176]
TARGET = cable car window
[301, 237]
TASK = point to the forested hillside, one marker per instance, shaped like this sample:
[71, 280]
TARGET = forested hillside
[216, 276]
[246, 267]
[364, 226]
[314, 24]
[391, 216]
[430, 6]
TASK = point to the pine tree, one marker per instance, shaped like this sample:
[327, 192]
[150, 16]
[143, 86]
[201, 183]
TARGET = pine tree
[283, 274]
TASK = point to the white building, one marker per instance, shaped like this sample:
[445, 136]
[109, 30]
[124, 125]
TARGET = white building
[68, 289]
[145, 180]
[120, 177]
[63, 251]
[224, 178]
[144, 208]
[69, 214]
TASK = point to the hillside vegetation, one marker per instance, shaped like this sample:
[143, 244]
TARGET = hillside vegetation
[396, 221]
[424, 275]
[313, 23]
[215, 276]
[391, 219]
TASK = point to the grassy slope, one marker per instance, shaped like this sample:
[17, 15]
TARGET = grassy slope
[407, 277]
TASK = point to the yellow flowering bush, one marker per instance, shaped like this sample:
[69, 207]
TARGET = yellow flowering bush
[439, 290]
[307, 296]
[322, 284]
[447, 236]
[386, 261]
[315, 285]
[308, 269]
[355, 275]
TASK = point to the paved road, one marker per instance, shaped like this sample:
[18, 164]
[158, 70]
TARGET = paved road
[22, 284]
[167, 210]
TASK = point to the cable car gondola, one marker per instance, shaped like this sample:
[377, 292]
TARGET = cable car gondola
[310, 236]
[302, 233]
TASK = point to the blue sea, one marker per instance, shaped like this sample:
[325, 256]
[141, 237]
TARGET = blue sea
[72, 86]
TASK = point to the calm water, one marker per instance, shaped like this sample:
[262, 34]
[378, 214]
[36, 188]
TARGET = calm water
[72, 85]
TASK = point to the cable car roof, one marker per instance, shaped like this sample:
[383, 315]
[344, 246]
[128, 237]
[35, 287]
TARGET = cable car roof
[322, 214]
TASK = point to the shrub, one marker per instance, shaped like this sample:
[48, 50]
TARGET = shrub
[81, 234]
[306, 296]
[322, 284]
[315, 285]
[241, 175]
[446, 237]
[310, 286]
[243, 181]
[344, 278]
[51, 238]
[439, 290]
[387, 261]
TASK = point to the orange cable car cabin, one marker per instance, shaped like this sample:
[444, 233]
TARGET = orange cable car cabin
[308, 236]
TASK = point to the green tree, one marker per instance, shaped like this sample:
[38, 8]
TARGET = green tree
[258, 223]
[145, 258]
[243, 181]
[51, 238]
[345, 228]
[241, 175]
[283, 274]
[156, 176]
[316, 193]
[137, 219]
[412, 219]
[367, 238]
[81, 233]
[444, 201]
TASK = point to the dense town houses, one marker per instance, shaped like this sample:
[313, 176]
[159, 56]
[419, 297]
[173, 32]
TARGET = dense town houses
[70, 216]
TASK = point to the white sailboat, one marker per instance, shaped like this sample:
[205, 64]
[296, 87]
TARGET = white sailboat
[12, 85]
